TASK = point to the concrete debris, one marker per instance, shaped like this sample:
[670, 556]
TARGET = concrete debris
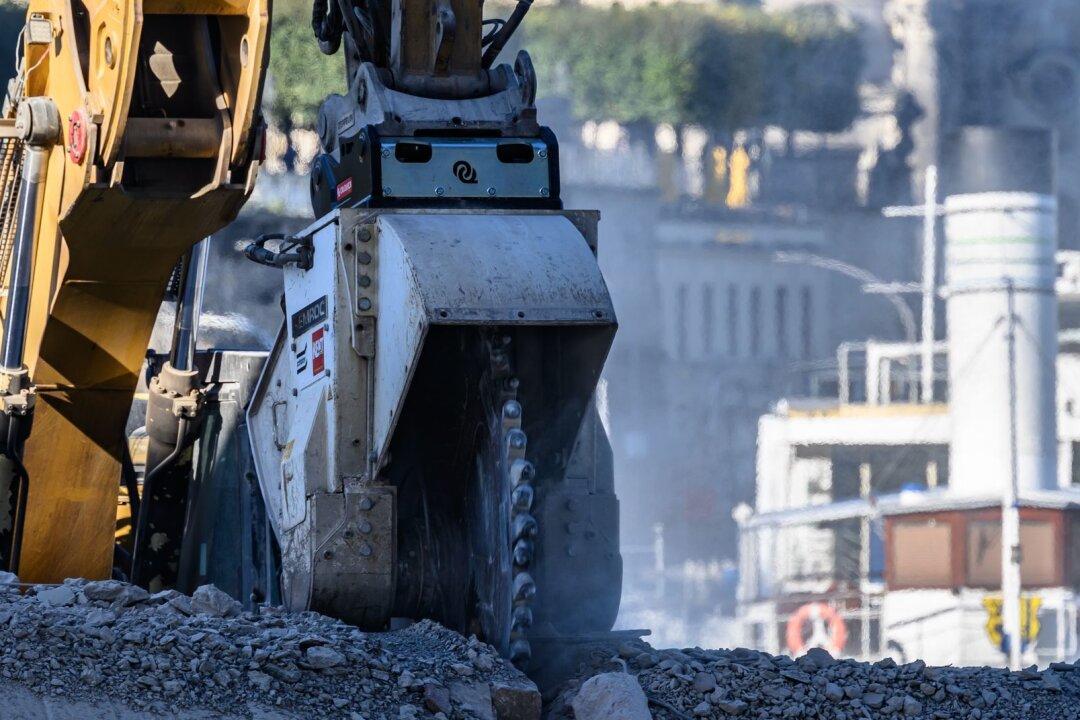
[515, 700]
[117, 650]
[611, 695]
[694, 683]
[108, 649]
[208, 600]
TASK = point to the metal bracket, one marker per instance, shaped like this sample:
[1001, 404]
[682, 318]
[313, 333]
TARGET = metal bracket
[353, 564]
[365, 242]
[17, 395]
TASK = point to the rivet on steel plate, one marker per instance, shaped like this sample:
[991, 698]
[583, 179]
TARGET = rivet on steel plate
[366, 504]
[365, 234]
[365, 258]
[364, 281]
[365, 304]
[365, 550]
[365, 527]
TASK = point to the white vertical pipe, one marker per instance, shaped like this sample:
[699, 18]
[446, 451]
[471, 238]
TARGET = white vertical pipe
[929, 284]
[1010, 509]
[996, 241]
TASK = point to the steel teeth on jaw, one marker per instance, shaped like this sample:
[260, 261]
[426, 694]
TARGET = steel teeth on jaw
[524, 527]
[523, 553]
[522, 472]
[522, 498]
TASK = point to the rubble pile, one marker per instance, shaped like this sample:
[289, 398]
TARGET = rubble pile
[109, 642]
[741, 683]
[111, 649]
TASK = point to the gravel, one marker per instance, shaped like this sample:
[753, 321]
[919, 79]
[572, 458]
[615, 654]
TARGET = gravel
[695, 683]
[110, 643]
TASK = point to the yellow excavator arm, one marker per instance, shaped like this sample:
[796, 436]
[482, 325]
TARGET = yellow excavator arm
[130, 132]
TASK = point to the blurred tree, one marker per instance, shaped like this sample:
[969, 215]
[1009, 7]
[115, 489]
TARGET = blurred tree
[300, 75]
[723, 67]
[822, 59]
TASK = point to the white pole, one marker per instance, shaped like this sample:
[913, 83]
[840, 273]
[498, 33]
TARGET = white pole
[929, 277]
[1010, 510]
[865, 480]
[659, 567]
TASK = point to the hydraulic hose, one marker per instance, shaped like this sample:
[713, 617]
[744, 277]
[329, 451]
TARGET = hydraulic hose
[142, 525]
[131, 482]
[15, 456]
[505, 32]
[326, 22]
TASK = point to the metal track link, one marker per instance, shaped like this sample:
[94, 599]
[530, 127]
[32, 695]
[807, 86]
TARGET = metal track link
[523, 526]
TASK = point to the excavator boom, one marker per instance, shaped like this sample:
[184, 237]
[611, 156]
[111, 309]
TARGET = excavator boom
[154, 145]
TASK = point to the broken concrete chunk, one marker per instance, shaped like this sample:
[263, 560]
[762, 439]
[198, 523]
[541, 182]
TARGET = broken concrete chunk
[515, 700]
[209, 600]
[611, 695]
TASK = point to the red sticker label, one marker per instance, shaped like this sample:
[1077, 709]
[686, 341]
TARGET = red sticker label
[317, 352]
[344, 190]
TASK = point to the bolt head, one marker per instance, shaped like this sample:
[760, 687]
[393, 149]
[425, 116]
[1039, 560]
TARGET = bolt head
[491, 191]
[387, 191]
[440, 191]
[544, 192]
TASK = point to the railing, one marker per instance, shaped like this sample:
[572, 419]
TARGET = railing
[847, 624]
[11, 161]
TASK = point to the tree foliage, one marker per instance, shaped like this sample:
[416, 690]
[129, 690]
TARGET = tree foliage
[724, 67]
[300, 75]
[721, 66]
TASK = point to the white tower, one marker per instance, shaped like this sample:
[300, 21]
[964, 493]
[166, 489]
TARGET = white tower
[1001, 229]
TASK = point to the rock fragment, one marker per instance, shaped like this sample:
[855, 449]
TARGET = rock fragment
[210, 600]
[472, 700]
[515, 700]
[611, 695]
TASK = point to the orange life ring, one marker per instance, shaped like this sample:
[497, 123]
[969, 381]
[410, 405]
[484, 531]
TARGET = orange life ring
[832, 640]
